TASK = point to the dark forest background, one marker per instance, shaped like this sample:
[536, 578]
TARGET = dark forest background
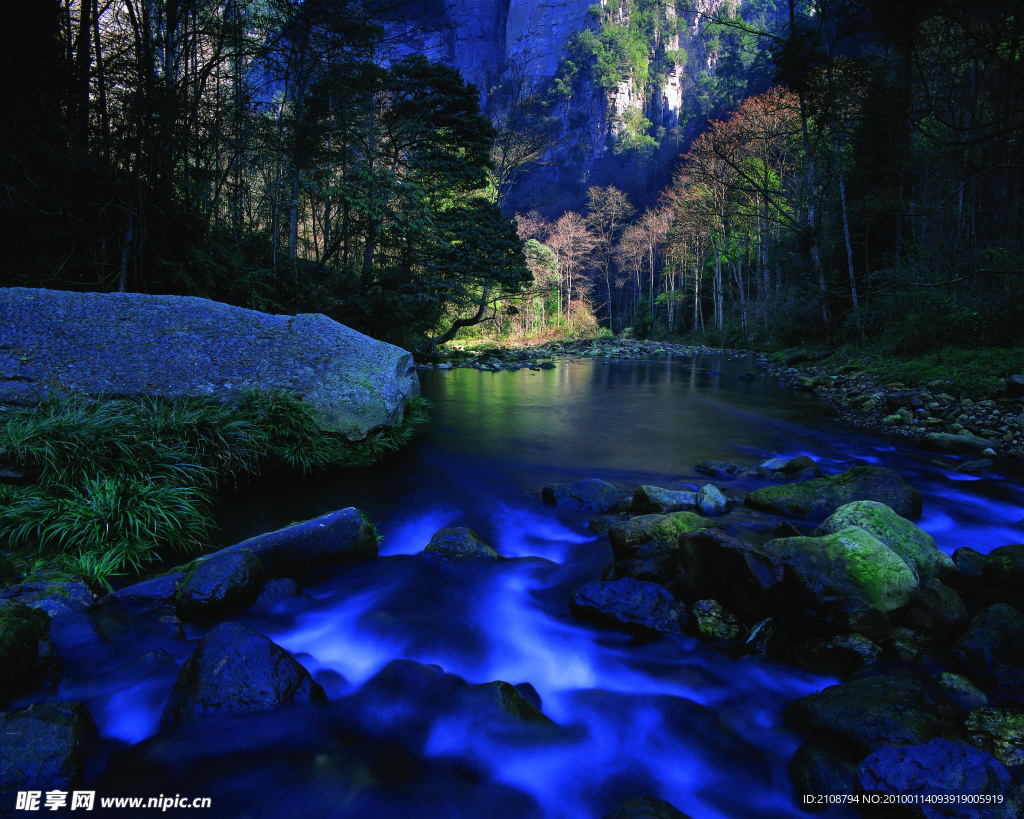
[852, 173]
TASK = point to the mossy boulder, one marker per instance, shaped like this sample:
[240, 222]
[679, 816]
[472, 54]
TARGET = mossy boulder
[821, 497]
[458, 543]
[867, 713]
[999, 731]
[44, 748]
[914, 545]
[831, 576]
[632, 604]
[21, 629]
[655, 499]
[592, 495]
[630, 537]
[713, 622]
[127, 344]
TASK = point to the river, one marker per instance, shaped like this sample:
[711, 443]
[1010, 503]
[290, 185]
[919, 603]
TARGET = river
[668, 717]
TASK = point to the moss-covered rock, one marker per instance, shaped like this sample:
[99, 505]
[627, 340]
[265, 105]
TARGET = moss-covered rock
[841, 654]
[21, 629]
[999, 731]
[821, 497]
[664, 531]
[655, 499]
[508, 698]
[868, 713]
[1003, 573]
[914, 545]
[714, 622]
[937, 609]
[832, 575]
[457, 543]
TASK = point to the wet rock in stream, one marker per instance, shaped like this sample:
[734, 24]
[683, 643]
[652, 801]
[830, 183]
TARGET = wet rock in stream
[234, 668]
[44, 747]
[820, 497]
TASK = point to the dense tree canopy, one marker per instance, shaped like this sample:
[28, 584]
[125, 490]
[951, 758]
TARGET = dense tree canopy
[273, 154]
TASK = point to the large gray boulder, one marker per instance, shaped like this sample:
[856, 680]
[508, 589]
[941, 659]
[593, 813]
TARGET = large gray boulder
[126, 344]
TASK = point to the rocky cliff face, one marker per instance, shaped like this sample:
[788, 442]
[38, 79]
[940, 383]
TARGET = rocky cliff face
[483, 38]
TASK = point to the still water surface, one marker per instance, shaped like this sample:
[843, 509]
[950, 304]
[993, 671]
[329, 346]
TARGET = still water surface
[668, 717]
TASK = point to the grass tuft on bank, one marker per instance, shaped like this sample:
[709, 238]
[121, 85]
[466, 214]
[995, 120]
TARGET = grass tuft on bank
[979, 372]
[113, 485]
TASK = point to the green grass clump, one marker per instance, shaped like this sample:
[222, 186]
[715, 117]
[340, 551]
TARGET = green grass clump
[117, 484]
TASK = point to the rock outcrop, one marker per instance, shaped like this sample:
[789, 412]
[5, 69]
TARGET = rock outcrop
[127, 344]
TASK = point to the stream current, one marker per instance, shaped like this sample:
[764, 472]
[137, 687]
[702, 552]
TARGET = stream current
[668, 717]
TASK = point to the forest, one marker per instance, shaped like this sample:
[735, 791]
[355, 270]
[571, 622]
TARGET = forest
[851, 174]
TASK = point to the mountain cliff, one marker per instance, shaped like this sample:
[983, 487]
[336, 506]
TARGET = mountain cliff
[621, 78]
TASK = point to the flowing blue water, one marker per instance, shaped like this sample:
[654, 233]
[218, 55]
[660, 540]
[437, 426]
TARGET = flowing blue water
[668, 717]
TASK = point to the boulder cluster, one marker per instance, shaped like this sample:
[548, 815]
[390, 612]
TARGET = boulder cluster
[928, 647]
[946, 423]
